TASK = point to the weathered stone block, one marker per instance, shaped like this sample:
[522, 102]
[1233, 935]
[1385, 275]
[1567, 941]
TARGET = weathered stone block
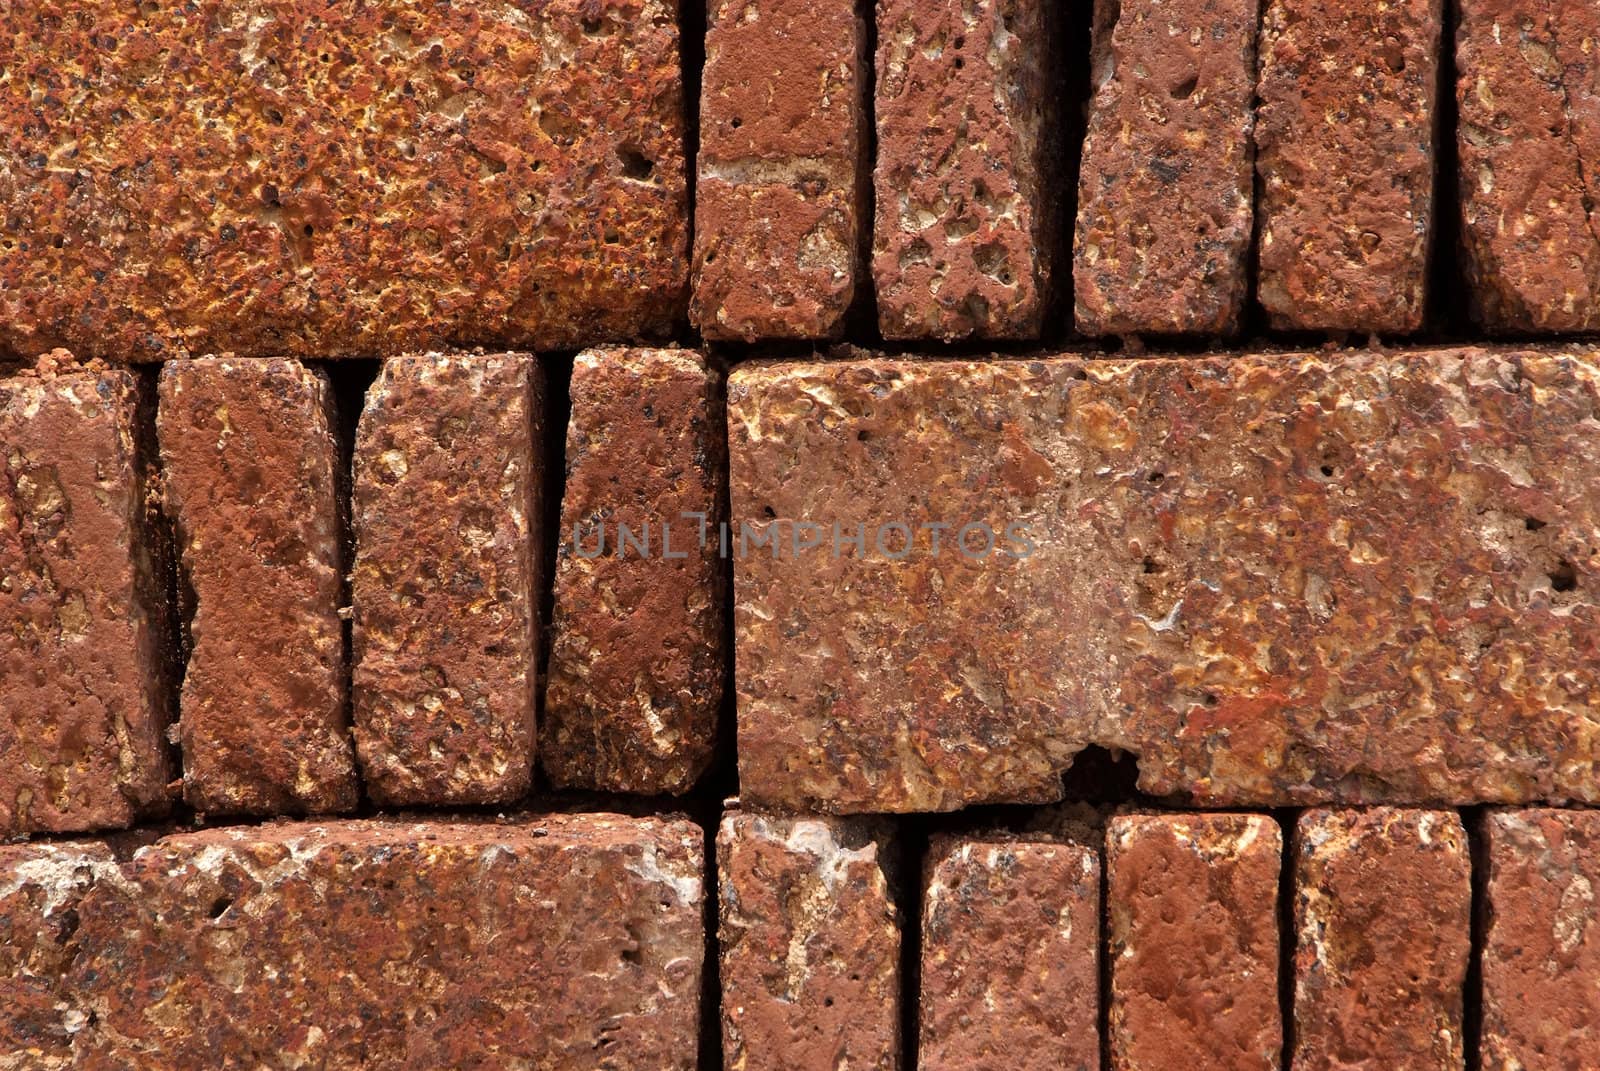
[1166, 188]
[1345, 153]
[1010, 956]
[1275, 579]
[810, 945]
[1192, 906]
[248, 461]
[84, 673]
[271, 177]
[968, 144]
[1382, 909]
[638, 656]
[782, 169]
[447, 523]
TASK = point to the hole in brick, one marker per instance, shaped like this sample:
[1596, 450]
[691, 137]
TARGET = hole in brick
[635, 164]
[219, 907]
[1533, 524]
[960, 63]
[1157, 476]
[1185, 89]
[308, 230]
[1328, 470]
[863, 435]
[770, 513]
[737, 122]
[1564, 577]
[1151, 566]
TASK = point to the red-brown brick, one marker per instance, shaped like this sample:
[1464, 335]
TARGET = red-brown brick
[250, 471]
[447, 522]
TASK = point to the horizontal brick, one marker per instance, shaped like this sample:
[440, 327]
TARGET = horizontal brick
[249, 466]
[346, 178]
[1274, 579]
[447, 519]
[84, 672]
[638, 656]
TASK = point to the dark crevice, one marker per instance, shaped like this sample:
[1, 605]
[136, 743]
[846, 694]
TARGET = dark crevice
[1447, 313]
[1074, 50]
[174, 594]
[692, 56]
[1288, 937]
[1253, 320]
[912, 836]
[861, 319]
[1102, 952]
[1475, 820]
[554, 413]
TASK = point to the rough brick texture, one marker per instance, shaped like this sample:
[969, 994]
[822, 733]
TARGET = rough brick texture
[1166, 186]
[781, 181]
[810, 945]
[274, 177]
[248, 461]
[1192, 913]
[1541, 955]
[1345, 153]
[1529, 137]
[83, 674]
[1010, 956]
[1382, 909]
[1274, 579]
[968, 141]
[447, 523]
[638, 658]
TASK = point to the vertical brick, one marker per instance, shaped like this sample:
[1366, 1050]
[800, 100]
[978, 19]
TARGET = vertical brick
[445, 586]
[1192, 902]
[638, 657]
[1166, 191]
[83, 659]
[1382, 910]
[781, 170]
[968, 141]
[248, 457]
[1345, 153]
[810, 945]
[1529, 139]
[1541, 959]
[1010, 956]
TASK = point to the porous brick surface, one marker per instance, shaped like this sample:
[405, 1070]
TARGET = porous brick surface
[1166, 187]
[84, 676]
[810, 945]
[279, 178]
[1345, 138]
[1010, 956]
[447, 522]
[1238, 569]
[249, 469]
[637, 657]
[781, 173]
[1382, 908]
[1541, 953]
[1192, 920]
[1529, 138]
[968, 140]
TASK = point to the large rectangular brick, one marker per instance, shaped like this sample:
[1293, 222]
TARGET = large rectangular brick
[1192, 913]
[1529, 136]
[782, 180]
[810, 945]
[638, 655]
[1274, 579]
[1166, 192]
[1541, 954]
[447, 521]
[84, 665]
[272, 177]
[250, 473]
[1382, 914]
[1345, 153]
[1010, 956]
[967, 168]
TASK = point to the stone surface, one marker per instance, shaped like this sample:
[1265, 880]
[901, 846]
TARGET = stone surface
[1382, 909]
[810, 945]
[1275, 579]
[638, 656]
[1345, 156]
[273, 177]
[249, 467]
[1010, 956]
[1166, 187]
[782, 170]
[84, 678]
[966, 172]
[1192, 913]
[447, 522]
[1541, 955]
[1528, 88]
